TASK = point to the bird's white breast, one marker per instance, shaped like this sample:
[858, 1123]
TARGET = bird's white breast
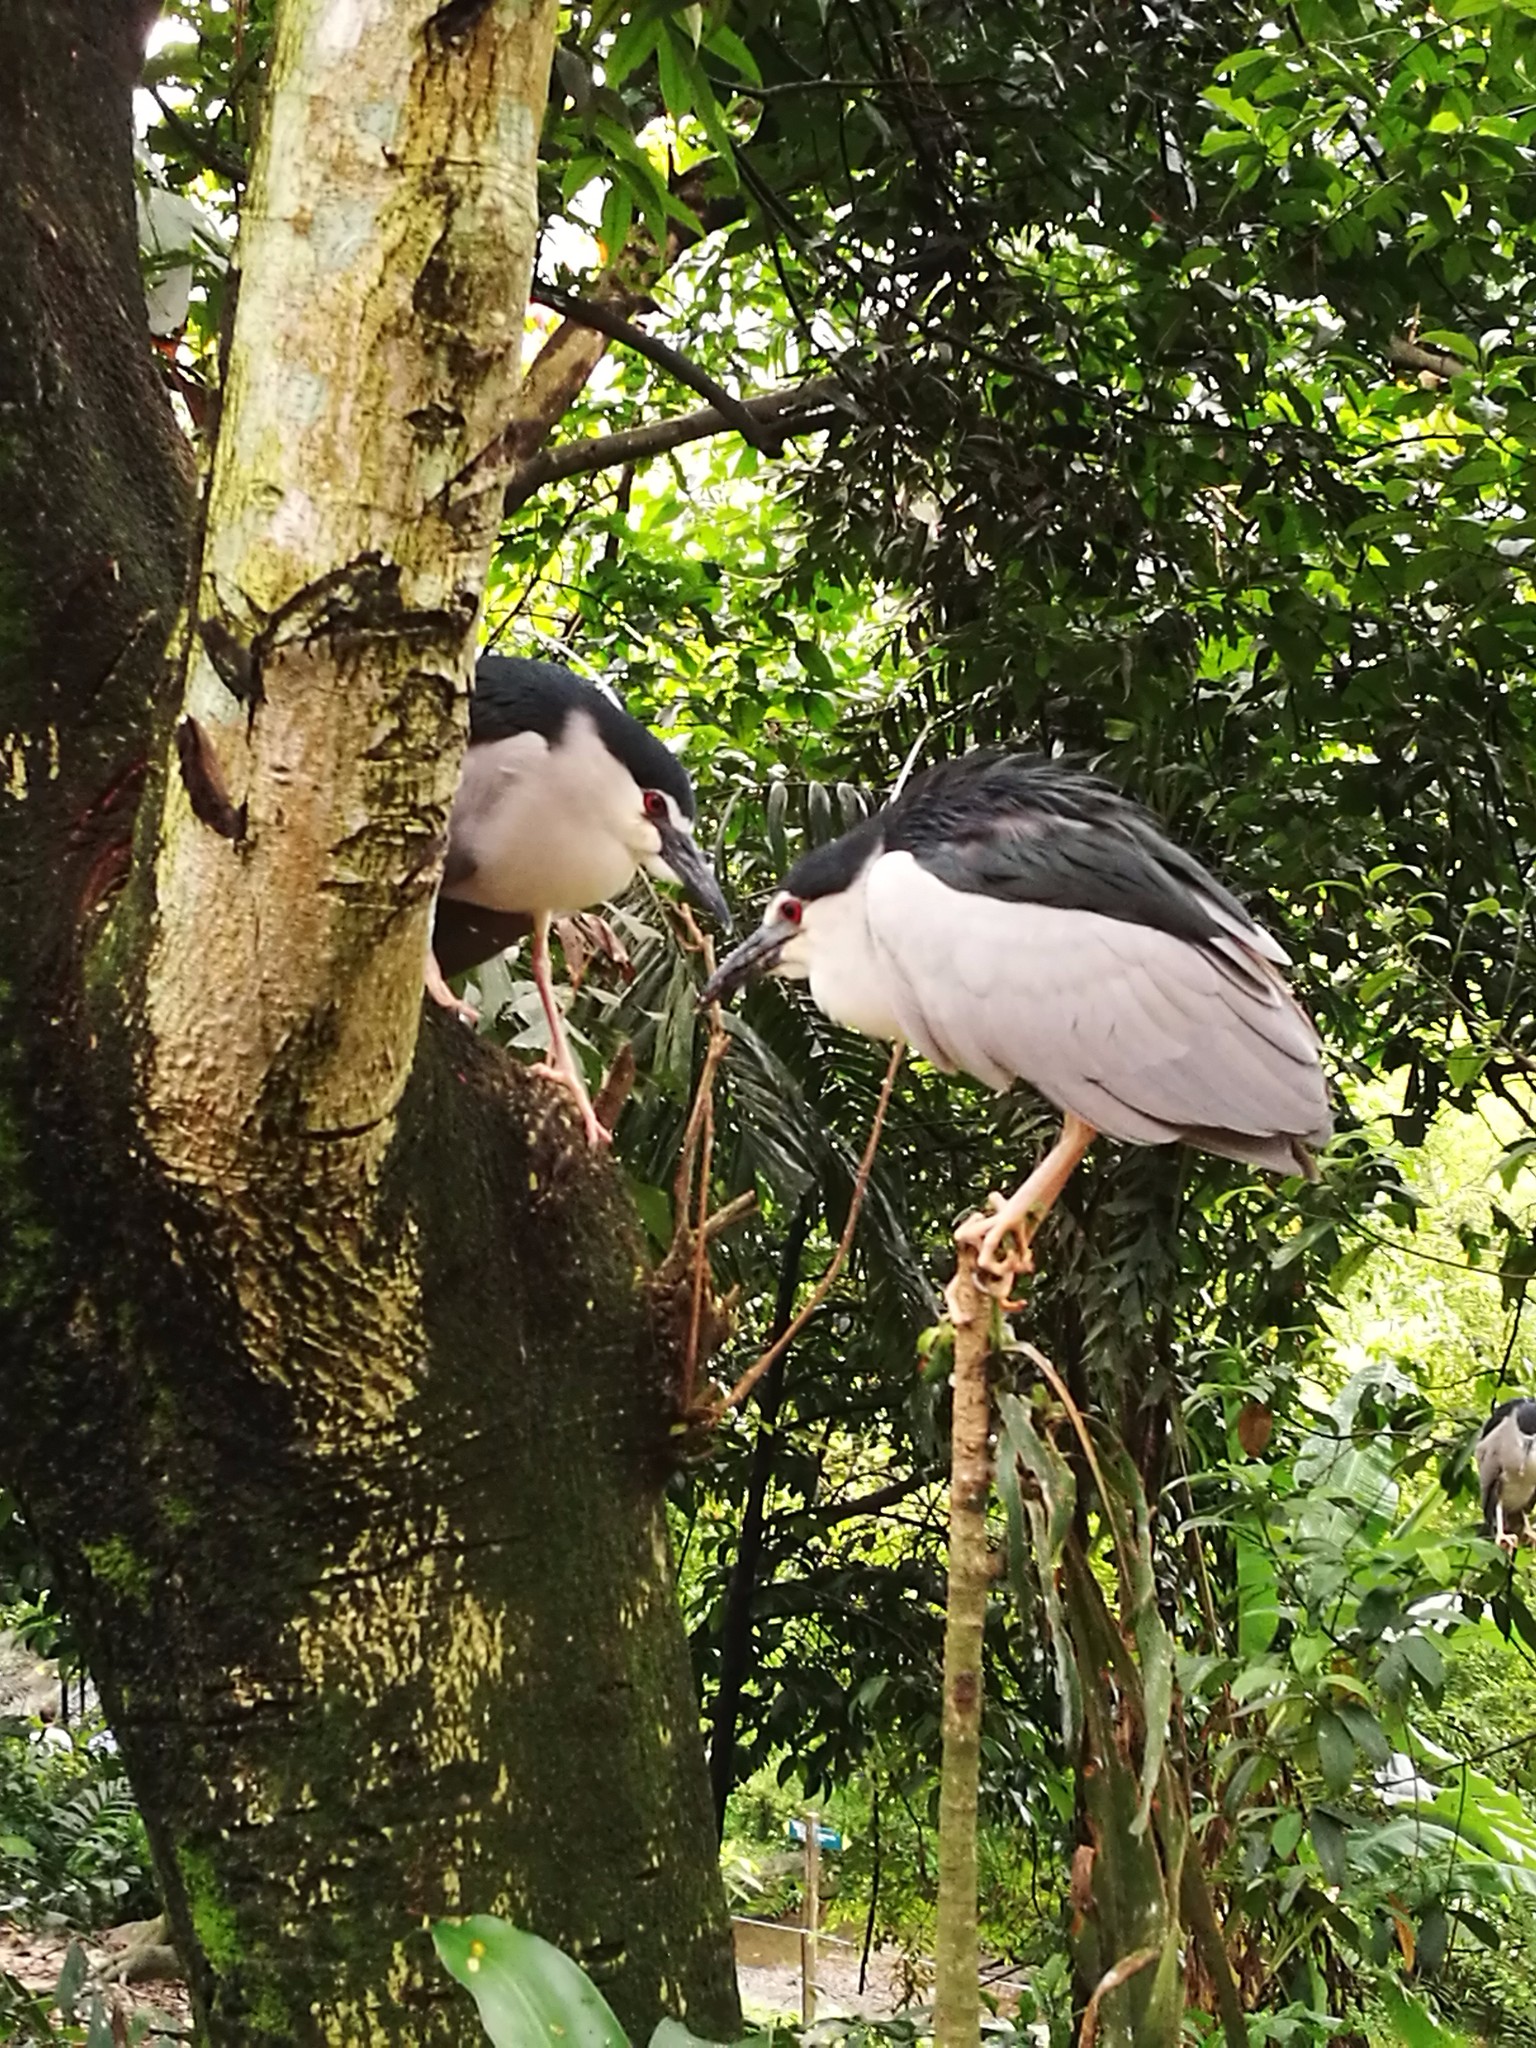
[848, 975]
[542, 827]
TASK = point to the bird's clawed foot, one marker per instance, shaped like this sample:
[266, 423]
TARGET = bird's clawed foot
[1002, 1241]
[1013, 1223]
[570, 1080]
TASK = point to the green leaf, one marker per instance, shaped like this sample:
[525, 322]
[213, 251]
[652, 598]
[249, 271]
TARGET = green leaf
[617, 219]
[1415, 2026]
[709, 111]
[1426, 1661]
[655, 1206]
[1335, 1751]
[1286, 1833]
[724, 42]
[673, 75]
[1331, 1843]
[630, 48]
[530, 1995]
[1049, 1511]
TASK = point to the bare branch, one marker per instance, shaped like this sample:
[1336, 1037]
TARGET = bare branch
[606, 320]
[808, 408]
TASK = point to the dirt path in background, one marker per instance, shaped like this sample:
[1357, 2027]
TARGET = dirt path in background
[36, 1955]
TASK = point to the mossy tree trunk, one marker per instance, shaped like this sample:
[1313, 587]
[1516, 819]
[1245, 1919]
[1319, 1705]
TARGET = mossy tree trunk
[325, 1376]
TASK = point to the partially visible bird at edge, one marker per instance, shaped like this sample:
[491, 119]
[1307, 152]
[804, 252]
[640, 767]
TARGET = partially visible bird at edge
[1506, 1470]
[562, 798]
[1015, 918]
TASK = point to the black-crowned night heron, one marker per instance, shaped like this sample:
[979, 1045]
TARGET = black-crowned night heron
[1506, 1468]
[1021, 920]
[563, 796]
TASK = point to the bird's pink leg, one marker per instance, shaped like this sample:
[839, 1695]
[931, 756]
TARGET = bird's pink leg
[440, 992]
[561, 1065]
[1502, 1537]
[1021, 1215]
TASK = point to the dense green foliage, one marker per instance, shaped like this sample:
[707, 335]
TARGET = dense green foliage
[1184, 407]
[72, 1846]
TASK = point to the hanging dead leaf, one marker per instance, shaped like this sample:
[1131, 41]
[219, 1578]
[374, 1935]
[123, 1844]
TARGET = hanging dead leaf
[1255, 1427]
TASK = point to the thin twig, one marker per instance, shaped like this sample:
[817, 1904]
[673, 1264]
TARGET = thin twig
[804, 409]
[682, 1185]
[722, 1220]
[607, 320]
[700, 1134]
[700, 1252]
[823, 1287]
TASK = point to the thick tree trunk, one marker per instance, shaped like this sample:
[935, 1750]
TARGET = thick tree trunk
[327, 1379]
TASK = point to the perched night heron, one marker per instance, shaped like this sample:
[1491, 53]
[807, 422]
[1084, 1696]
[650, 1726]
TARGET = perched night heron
[563, 796]
[1021, 920]
[1506, 1468]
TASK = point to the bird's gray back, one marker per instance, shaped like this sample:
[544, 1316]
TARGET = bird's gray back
[1025, 829]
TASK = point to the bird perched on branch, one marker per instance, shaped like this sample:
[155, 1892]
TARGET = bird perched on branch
[1021, 920]
[563, 796]
[1506, 1469]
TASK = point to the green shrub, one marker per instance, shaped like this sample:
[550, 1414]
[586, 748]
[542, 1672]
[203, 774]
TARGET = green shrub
[72, 1845]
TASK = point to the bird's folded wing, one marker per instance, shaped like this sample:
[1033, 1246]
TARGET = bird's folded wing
[1147, 1036]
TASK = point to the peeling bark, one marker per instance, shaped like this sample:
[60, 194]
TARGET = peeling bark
[326, 1379]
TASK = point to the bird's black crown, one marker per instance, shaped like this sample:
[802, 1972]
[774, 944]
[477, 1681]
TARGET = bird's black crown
[513, 695]
[1522, 1408]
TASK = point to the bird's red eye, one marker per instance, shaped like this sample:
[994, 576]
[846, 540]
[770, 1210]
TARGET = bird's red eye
[655, 805]
[791, 910]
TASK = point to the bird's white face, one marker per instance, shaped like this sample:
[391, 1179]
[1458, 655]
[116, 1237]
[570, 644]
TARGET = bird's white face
[823, 940]
[672, 854]
[558, 827]
[657, 814]
[791, 922]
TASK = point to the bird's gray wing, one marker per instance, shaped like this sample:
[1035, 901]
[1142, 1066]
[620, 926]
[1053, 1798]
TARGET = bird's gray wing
[1026, 831]
[1145, 1035]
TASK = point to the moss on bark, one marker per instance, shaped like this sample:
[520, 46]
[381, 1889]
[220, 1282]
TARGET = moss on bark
[347, 1454]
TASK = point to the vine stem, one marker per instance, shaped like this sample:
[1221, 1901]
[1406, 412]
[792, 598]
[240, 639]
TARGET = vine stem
[823, 1287]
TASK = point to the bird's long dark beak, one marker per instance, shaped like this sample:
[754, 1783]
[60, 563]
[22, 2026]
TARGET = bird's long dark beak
[755, 955]
[681, 852]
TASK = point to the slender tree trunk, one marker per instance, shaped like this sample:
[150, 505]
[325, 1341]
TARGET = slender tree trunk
[325, 1377]
[957, 1997]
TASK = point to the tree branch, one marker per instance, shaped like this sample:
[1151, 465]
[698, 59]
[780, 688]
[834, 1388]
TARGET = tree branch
[808, 408]
[873, 1503]
[607, 321]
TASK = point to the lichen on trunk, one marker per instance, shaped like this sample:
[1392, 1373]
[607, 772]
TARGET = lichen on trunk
[328, 1385]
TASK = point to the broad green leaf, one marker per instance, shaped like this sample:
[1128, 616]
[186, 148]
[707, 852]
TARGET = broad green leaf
[1416, 2027]
[529, 1993]
[723, 41]
[1335, 1751]
[1330, 1840]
